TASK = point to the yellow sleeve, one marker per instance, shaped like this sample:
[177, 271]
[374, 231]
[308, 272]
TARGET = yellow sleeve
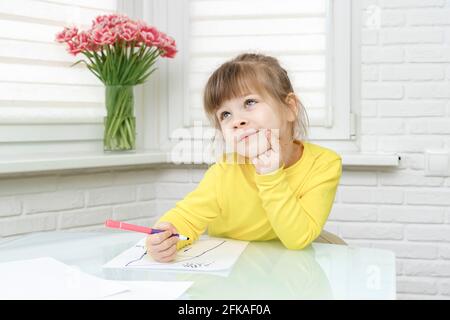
[298, 221]
[191, 215]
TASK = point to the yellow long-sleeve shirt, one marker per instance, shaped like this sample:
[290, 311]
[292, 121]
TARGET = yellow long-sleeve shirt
[233, 200]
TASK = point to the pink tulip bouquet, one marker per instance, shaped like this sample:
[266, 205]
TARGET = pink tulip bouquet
[121, 53]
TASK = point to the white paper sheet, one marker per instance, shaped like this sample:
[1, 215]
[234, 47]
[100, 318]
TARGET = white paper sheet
[206, 254]
[47, 278]
[151, 290]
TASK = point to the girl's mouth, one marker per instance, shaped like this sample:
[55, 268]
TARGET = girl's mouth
[246, 137]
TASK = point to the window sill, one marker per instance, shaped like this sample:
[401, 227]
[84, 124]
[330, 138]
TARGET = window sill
[370, 160]
[56, 162]
[49, 162]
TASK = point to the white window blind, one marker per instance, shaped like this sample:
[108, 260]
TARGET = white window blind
[46, 105]
[300, 33]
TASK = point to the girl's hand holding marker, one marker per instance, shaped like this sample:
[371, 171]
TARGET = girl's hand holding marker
[163, 246]
[162, 241]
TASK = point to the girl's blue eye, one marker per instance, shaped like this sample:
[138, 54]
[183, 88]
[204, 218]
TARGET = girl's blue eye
[221, 115]
[250, 101]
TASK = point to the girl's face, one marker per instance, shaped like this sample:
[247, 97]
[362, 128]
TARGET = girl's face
[251, 116]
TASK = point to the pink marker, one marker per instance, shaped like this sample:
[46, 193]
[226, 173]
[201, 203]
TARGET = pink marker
[133, 227]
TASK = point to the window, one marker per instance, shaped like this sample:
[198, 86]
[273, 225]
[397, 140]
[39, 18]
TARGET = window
[312, 40]
[46, 105]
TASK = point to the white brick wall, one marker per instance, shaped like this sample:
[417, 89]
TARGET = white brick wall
[405, 108]
[84, 201]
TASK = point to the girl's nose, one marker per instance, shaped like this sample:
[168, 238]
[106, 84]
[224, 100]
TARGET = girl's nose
[240, 123]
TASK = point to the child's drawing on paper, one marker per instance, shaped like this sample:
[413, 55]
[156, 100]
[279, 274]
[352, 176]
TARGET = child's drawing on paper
[205, 254]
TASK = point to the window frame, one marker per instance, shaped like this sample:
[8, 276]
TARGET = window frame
[154, 108]
[173, 120]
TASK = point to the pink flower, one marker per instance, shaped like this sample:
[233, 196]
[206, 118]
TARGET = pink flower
[168, 46]
[108, 38]
[109, 29]
[128, 31]
[83, 40]
[109, 21]
[169, 52]
[79, 43]
[72, 48]
[149, 35]
[103, 36]
[67, 34]
[100, 20]
[118, 20]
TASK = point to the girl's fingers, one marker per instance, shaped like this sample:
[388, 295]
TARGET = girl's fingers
[274, 141]
[167, 259]
[168, 255]
[269, 138]
[169, 252]
[161, 255]
[165, 244]
[158, 238]
[268, 134]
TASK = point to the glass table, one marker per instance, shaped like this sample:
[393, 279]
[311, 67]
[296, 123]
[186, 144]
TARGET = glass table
[265, 270]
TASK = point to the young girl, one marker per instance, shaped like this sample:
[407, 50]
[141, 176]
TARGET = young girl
[276, 185]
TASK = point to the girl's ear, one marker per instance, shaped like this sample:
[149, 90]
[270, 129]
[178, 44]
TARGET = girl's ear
[292, 102]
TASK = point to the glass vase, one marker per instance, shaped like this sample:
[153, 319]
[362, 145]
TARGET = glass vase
[120, 121]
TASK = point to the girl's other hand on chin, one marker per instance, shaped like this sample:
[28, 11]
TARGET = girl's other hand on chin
[269, 160]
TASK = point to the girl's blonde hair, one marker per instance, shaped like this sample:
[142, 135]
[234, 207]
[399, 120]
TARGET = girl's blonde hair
[252, 72]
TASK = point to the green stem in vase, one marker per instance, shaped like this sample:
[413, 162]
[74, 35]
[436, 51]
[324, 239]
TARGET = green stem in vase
[119, 123]
[117, 113]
